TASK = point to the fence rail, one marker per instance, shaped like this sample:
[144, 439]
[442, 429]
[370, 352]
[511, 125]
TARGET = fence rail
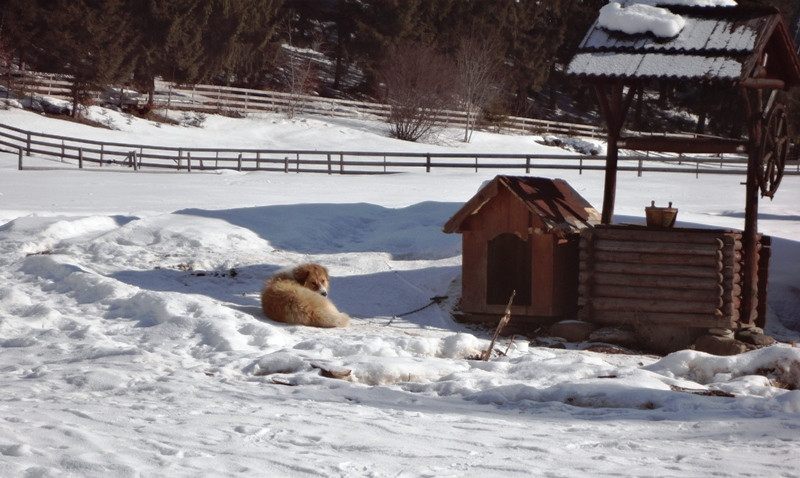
[212, 98]
[37, 150]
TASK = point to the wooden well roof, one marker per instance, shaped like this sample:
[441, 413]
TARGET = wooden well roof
[731, 44]
[553, 200]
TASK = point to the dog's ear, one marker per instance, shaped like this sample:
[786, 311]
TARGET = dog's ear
[301, 273]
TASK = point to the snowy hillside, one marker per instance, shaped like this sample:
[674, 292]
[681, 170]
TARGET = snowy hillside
[132, 343]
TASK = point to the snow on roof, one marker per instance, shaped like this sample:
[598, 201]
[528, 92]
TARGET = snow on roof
[680, 3]
[640, 18]
[655, 65]
[698, 34]
[681, 39]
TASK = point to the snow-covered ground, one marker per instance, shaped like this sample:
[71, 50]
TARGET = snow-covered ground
[132, 343]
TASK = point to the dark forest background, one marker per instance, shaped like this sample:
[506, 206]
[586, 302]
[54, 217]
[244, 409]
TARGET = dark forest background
[342, 48]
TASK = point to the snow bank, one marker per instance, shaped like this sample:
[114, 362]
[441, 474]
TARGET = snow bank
[132, 341]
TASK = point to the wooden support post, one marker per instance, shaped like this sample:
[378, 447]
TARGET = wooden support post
[428, 163]
[614, 107]
[80, 158]
[753, 104]
[750, 243]
[330, 166]
[239, 165]
[19, 159]
[188, 161]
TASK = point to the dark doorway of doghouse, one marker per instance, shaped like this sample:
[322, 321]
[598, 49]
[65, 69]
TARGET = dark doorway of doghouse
[508, 269]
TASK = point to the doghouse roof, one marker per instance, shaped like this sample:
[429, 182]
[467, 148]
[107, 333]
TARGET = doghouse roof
[553, 200]
[731, 44]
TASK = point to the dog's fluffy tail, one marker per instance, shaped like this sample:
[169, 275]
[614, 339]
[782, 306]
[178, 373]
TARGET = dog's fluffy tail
[287, 301]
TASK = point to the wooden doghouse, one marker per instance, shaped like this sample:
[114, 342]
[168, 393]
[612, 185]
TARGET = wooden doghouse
[745, 48]
[521, 234]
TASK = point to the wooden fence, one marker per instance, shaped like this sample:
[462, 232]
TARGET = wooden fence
[211, 98]
[54, 151]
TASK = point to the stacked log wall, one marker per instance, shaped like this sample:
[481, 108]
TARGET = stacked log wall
[633, 275]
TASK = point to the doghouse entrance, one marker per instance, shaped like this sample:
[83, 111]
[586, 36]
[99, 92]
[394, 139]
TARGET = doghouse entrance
[508, 269]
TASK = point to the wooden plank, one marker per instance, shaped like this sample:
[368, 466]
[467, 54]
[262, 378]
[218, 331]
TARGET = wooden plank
[712, 297]
[645, 305]
[651, 281]
[710, 260]
[676, 144]
[642, 234]
[658, 318]
[662, 270]
[657, 247]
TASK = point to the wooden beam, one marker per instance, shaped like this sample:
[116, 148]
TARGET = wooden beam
[763, 83]
[686, 145]
[614, 107]
[659, 318]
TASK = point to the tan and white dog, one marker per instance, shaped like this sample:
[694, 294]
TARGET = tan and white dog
[300, 296]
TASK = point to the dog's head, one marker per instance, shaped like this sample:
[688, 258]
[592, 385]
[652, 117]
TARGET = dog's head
[313, 276]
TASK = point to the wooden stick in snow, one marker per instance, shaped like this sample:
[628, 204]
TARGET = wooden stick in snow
[487, 353]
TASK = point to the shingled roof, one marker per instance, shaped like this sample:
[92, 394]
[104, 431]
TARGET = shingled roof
[553, 200]
[730, 44]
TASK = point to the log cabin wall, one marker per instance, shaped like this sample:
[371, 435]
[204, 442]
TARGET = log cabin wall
[633, 275]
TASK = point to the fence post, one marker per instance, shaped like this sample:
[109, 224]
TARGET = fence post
[102, 150]
[639, 170]
[20, 159]
[476, 164]
[62, 151]
[341, 163]
[527, 165]
[428, 163]
[580, 166]
[330, 166]
[28, 148]
[239, 168]
[258, 160]
[180, 158]
[80, 158]
[286, 164]
[697, 169]
[297, 163]
[188, 161]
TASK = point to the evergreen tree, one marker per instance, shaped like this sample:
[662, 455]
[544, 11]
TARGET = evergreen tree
[162, 41]
[86, 39]
[382, 26]
[257, 45]
[19, 26]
